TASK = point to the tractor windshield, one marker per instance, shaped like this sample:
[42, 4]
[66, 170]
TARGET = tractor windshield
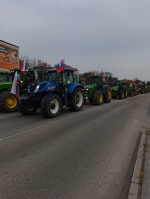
[95, 80]
[140, 86]
[53, 76]
[117, 83]
[21, 76]
[3, 77]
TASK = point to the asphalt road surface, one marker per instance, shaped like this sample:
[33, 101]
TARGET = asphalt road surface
[78, 155]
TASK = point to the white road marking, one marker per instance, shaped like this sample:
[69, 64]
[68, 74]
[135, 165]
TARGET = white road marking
[105, 104]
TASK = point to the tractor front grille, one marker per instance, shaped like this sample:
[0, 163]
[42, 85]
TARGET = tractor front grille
[33, 86]
[114, 91]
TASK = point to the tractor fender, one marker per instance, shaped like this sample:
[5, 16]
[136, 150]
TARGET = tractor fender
[73, 86]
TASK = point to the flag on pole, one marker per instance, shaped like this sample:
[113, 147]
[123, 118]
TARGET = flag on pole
[61, 66]
[15, 89]
[24, 68]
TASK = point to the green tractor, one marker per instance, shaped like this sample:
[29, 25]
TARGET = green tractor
[119, 90]
[142, 89]
[97, 91]
[148, 86]
[132, 90]
[8, 101]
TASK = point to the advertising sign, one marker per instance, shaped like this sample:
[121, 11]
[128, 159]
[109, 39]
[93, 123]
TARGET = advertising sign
[9, 56]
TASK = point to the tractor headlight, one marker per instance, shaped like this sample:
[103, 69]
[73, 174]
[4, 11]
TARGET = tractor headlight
[37, 88]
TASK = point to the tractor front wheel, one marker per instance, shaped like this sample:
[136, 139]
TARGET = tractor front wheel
[50, 105]
[98, 97]
[8, 102]
[121, 94]
[125, 94]
[77, 100]
[25, 110]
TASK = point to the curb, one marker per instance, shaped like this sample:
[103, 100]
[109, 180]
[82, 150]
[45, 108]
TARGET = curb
[135, 181]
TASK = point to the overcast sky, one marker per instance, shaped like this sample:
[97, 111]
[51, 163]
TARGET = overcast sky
[113, 35]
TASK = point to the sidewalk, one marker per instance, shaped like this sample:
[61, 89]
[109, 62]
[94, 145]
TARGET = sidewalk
[140, 183]
[145, 192]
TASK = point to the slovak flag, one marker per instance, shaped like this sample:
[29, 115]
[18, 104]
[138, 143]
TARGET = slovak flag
[15, 89]
[104, 76]
[24, 68]
[61, 65]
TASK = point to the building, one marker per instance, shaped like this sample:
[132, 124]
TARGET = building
[9, 56]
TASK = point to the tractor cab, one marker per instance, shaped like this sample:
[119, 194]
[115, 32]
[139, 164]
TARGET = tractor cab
[118, 83]
[62, 80]
[5, 76]
[25, 80]
[98, 80]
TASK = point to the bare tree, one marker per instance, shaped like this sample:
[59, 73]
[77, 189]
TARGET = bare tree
[33, 63]
[136, 78]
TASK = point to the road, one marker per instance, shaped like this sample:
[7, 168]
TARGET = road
[78, 155]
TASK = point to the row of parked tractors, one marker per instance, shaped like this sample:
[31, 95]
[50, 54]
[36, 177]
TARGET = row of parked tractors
[57, 90]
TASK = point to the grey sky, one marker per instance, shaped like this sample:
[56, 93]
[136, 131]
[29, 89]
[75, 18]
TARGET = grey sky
[113, 35]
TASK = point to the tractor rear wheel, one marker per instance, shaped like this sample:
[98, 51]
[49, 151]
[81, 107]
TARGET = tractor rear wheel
[8, 102]
[24, 110]
[108, 95]
[98, 97]
[76, 100]
[125, 94]
[121, 94]
[50, 106]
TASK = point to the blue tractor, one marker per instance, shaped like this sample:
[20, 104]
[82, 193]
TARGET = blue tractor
[51, 95]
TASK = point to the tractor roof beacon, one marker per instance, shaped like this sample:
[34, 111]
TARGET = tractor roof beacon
[51, 95]
[97, 91]
[8, 101]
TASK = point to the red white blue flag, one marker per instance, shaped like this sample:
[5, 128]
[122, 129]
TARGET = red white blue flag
[24, 67]
[15, 88]
[61, 66]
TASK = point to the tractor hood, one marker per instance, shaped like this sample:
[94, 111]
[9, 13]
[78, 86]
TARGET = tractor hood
[36, 87]
[114, 87]
[89, 86]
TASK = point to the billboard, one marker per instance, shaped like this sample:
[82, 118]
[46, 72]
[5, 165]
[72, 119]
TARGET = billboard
[9, 56]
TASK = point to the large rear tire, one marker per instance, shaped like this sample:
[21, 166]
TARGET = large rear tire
[76, 100]
[50, 106]
[24, 110]
[108, 95]
[98, 97]
[8, 102]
